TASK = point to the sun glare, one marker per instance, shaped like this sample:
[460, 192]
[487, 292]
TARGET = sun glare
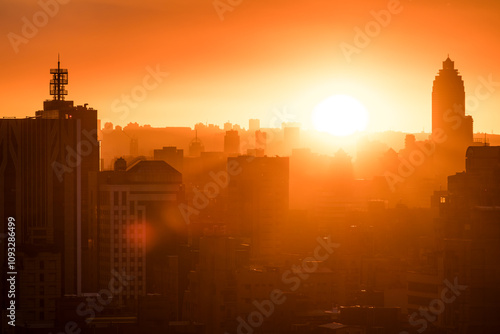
[340, 115]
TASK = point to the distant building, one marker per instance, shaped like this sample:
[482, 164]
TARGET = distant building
[172, 156]
[196, 147]
[260, 140]
[232, 142]
[253, 125]
[258, 202]
[451, 128]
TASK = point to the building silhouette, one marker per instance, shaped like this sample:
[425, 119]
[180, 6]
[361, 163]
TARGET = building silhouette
[44, 184]
[260, 140]
[451, 128]
[196, 147]
[468, 224]
[172, 156]
[141, 230]
[232, 142]
[253, 125]
[258, 203]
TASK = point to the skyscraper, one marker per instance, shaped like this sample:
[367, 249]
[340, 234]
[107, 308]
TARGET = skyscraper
[140, 228]
[470, 235]
[451, 128]
[44, 165]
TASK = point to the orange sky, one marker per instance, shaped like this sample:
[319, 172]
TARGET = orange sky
[264, 55]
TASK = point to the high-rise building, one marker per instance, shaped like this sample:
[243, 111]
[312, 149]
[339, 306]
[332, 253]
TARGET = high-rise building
[451, 128]
[44, 184]
[141, 229]
[468, 222]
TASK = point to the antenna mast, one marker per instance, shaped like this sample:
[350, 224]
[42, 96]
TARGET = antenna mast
[59, 80]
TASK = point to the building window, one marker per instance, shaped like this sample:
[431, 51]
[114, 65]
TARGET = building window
[124, 198]
[115, 198]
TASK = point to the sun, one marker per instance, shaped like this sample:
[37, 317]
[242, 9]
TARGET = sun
[340, 115]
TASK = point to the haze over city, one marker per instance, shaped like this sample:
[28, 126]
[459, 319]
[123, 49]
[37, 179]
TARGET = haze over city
[261, 56]
[238, 166]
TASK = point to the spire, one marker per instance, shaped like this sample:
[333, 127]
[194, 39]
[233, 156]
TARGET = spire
[448, 64]
[58, 82]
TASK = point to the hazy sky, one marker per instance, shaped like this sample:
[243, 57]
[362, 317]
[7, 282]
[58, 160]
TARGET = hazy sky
[262, 57]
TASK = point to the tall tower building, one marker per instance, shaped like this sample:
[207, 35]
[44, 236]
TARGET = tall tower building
[451, 128]
[45, 162]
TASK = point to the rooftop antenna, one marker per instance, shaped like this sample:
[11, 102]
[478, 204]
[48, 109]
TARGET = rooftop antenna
[59, 80]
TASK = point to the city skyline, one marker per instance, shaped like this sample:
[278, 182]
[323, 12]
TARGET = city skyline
[250, 167]
[256, 60]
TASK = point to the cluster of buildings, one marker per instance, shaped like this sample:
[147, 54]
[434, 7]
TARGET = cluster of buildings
[238, 241]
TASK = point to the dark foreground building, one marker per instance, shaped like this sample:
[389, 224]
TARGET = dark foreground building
[470, 228]
[45, 161]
